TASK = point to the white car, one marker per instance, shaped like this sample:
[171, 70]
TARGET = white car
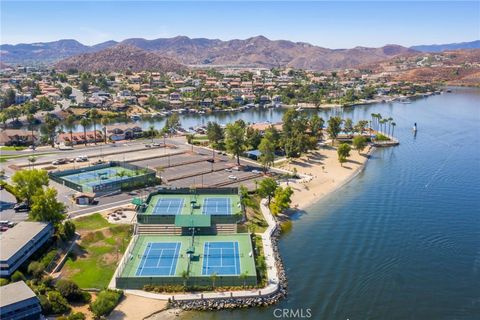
[81, 159]
[228, 170]
[232, 177]
[256, 171]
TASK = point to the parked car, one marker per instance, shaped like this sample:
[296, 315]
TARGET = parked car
[228, 170]
[3, 229]
[21, 207]
[256, 171]
[148, 146]
[59, 161]
[156, 144]
[81, 159]
[232, 177]
[99, 161]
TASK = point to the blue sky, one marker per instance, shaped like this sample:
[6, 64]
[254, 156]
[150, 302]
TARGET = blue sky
[338, 24]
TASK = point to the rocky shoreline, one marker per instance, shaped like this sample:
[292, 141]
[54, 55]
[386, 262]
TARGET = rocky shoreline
[247, 302]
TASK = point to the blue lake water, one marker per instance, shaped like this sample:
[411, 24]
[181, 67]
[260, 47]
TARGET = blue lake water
[401, 240]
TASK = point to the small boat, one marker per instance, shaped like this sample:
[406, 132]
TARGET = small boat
[415, 127]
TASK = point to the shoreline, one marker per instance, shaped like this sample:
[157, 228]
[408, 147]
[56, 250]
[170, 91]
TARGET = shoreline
[323, 175]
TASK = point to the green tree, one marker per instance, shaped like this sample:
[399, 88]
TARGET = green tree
[215, 134]
[184, 278]
[359, 143]
[235, 139]
[267, 150]
[252, 138]
[281, 200]
[46, 208]
[58, 303]
[70, 291]
[266, 188]
[49, 129]
[106, 301]
[36, 268]
[334, 127]
[9, 98]
[27, 183]
[67, 92]
[84, 86]
[45, 104]
[348, 126]
[343, 152]
[315, 125]
[17, 276]
[172, 123]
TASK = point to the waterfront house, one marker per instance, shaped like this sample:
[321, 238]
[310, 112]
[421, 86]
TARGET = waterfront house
[17, 137]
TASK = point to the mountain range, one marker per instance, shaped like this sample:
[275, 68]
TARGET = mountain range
[256, 51]
[448, 46]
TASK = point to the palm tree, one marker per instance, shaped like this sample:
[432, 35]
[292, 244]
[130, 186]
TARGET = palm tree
[105, 121]
[69, 124]
[213, 277]
[94, 116]
[85, 122]
[389, 124]
[244, 276]
[185, 278]
[393, 127]
[151, 132]
[32, 160]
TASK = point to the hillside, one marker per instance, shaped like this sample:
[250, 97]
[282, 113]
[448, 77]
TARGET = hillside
[448, 46]
[120, 58]
[257, 51]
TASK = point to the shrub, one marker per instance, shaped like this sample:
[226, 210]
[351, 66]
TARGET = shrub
[70, 291]
[18, 276]
[46, 259]
[59, 304]
[106, 301]
[4, 281]
[45, 304]
[67, 230]
[35, 268]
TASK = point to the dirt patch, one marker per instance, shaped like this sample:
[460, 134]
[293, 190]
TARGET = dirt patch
[137, 308]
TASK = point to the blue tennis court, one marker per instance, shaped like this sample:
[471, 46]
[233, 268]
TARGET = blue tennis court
[99, 176]
[221, 258]
[159, 259]
[168, 206]
[217, 206]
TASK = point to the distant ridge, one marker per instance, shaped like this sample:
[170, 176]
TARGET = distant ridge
[255, 51]
[449, 46]
[120, 57]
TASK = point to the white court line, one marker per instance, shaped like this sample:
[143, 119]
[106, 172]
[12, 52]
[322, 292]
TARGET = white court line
[235, 244]
[174, 259]
[145, 258]
[160, 257]
[205, 247]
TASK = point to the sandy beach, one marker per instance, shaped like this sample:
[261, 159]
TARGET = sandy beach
[327, 175]
[136, 307]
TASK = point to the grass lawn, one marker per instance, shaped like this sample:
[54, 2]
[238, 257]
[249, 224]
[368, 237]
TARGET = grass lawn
[10, 148]
[92, 222]
[95, 258]
[5, 158]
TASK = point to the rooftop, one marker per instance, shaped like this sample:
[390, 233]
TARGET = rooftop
[14, 292]
[16, 238]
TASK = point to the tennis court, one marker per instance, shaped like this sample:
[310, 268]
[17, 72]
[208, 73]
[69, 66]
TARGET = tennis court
[95, 177]
[159, 259]
[168, 206]
[217, 206]
[222, 258]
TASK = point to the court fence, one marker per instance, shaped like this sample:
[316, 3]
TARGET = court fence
[142, 177]
[193, 281]
[170, 219]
